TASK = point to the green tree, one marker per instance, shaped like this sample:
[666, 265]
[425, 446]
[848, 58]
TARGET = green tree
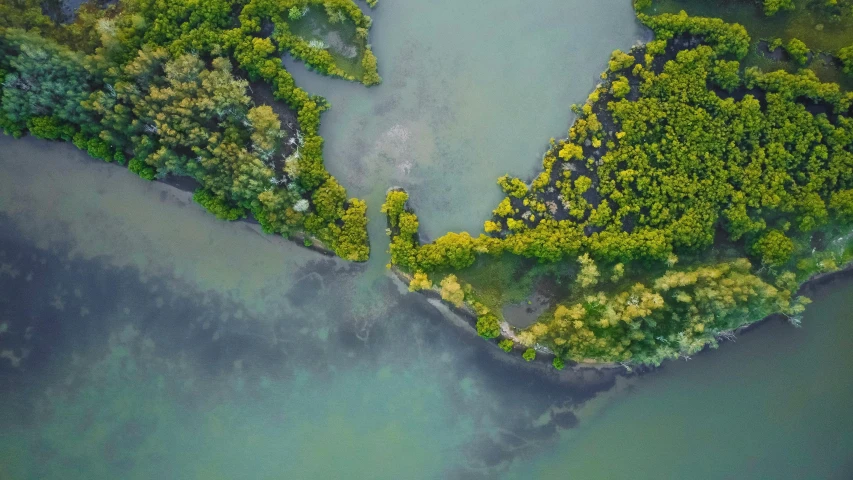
[488, 326]
[771, 7]
[846, 56]
[774, 248]
[798, 51]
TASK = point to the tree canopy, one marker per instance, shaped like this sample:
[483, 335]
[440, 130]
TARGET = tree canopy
[163, 86]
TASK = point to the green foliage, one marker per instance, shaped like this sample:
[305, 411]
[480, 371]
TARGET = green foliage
[678, 313]
[295, 13]
[488, 326]
[395, 203]
[774, 248]
[727, 38]
[257, 11]
[846, 56]
[841, 204]
[506, 345]
[775, 43]
[50, 128]
[217, 206]
[100, 149]
[140, 168]
[43, 79]
[513, 186]
[352, 242]
[558, 363]
[25, 14]
[620, 60]
[620, 87]
[368, 63]
[798, 51]
[773, 6]
[529, 355]
[726, 74]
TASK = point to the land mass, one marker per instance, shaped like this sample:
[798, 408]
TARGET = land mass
[693, 196]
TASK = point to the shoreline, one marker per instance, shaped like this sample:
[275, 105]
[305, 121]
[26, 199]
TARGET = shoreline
[468, 321]
[189, 185]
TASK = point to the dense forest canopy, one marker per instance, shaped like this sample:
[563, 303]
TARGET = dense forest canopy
[686, 201]
[164, 87]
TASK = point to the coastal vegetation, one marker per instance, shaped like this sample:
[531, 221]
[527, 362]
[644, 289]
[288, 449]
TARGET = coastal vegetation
[826, 26]
[692, 196]
[165, 87]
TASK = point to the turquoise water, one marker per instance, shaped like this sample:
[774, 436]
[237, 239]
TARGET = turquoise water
[142, 338]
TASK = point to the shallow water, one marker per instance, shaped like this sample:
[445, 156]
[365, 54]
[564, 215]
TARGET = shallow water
[471, 91]
[185, 347]
[142, 338]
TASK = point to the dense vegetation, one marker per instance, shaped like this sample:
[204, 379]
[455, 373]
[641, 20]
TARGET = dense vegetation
[163, 86]
[824, 25]
[687, 200]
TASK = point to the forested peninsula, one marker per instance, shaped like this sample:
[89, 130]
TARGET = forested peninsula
[693, 195]
[165, 88]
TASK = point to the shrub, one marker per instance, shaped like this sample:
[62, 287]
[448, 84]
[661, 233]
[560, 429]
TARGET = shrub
[725, 74]
[506, 345]
[620, 87]
[420, 281]
[773, 6]
[295, 13]
[141, 168]
[774, 248]
[218, 206]
[529, 355]
[395, 204]
[620, 60]
[846, 57]
[49, 128]
[798, 51]
[558, 363]
[488, 326]
[99, 149]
